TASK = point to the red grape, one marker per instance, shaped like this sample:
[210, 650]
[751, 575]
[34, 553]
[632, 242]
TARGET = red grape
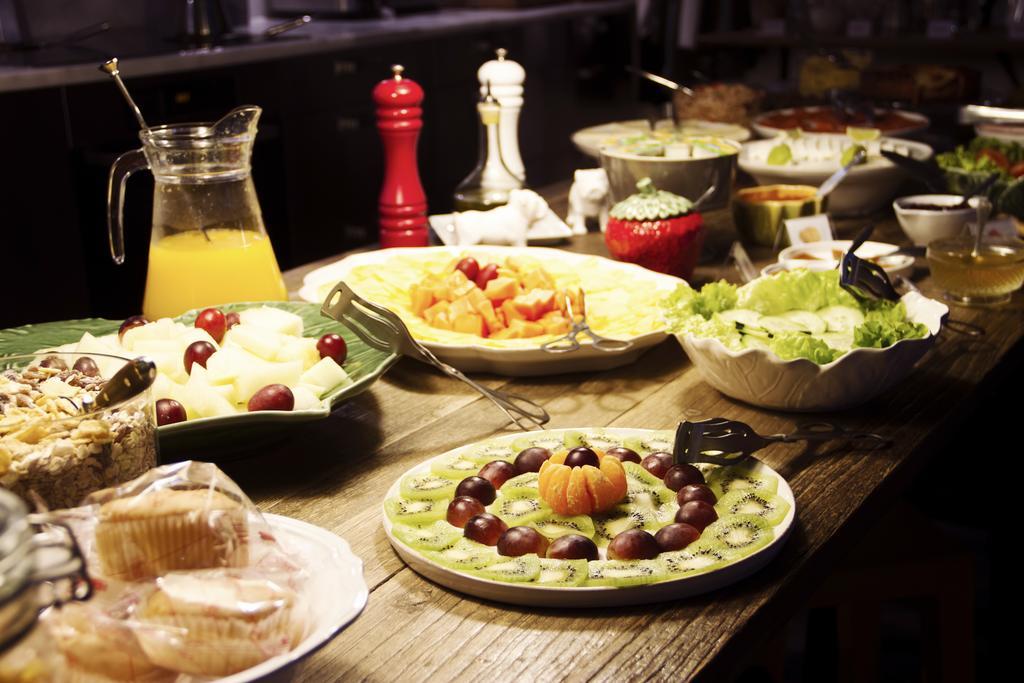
[232, 319]
[462, 508]
[469, 267]
[696, 492]
[580, 456]
[498, 472]
[633, 544]
[624, 454]
[696, 513]
[484, 528]
[129, 323]
[676, 536]
[530, 459]
[87, 366]
[53, 362]
[658, 463]
[169, 411]
[477, 487]
[679, 476]
[332, 346]
[214, 322]
[272, 397]
[522, 540]
[572, 547]
[486, 274]
[198, 352]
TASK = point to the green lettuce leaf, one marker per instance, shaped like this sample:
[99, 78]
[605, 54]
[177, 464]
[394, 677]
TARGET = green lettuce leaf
[686, 302]
[795, 290]
[796, 345]
[878, 333]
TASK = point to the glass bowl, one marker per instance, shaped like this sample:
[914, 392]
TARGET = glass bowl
[990, 277]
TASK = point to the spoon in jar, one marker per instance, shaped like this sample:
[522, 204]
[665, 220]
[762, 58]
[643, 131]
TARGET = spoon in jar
[109, 67]
[132, 379]
[984, 208]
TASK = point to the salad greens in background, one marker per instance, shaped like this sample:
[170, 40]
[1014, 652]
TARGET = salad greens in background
[969, 165]
[795, 314]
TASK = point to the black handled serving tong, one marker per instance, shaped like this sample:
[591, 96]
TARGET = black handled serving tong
[861, 278]
[719, 441]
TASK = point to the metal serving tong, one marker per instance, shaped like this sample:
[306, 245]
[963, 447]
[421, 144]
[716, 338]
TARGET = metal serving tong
[726, 442]
[382, 329]
[864, 279]
[569, 342]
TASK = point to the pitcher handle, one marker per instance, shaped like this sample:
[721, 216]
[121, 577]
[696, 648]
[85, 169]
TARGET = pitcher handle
[123, 167]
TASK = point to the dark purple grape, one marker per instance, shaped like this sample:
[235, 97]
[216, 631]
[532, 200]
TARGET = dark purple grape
[498, 472]
[462, 508]
[332, 346]
[522, 540]
[676, 536]
[580, 456]
[696, 513]
[87, 366]
[129, 323]
[573, 547]
[214, 322]
[624, 454]
[169, 411]
[198, 352]
[272, 397]
[530, 459]
[658, 463]
[231, 319]
[633, 544]
[469, 267]
[477, 487]
[679, 476]
[484, 528]
[696, 492]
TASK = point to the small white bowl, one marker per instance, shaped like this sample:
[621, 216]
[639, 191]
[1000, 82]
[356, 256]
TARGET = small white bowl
[821, 256]
[923, 226]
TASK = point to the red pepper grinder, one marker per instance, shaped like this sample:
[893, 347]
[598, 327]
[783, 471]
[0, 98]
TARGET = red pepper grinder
[402, 204]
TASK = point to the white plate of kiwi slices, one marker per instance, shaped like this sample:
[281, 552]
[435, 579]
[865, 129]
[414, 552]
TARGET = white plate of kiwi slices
[473, 519]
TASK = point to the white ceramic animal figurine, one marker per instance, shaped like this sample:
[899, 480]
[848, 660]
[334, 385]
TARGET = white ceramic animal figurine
[506, 224]
[588, 198]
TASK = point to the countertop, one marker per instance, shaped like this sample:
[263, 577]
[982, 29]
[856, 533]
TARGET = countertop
[321, 35]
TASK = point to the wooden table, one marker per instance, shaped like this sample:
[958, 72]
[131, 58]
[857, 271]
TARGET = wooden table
[336, 472]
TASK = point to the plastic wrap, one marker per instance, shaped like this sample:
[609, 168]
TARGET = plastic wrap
[191, 583]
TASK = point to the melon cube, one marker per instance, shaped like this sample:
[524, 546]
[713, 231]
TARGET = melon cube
[305, 399]
[91, 345]
[203, 398]
[302, 349]
[256, 340]
[263, 373]
[273, 320]
[326, 374]
[501, 288]
[470, 323]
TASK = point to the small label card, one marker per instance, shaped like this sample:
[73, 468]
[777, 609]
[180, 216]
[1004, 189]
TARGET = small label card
[817, 228]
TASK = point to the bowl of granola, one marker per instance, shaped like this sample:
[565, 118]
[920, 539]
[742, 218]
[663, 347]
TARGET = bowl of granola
[54, 447]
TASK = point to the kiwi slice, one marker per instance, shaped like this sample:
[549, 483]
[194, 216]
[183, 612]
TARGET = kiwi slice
[487, 451]
[414, 512]
[456, 467]
[738, 535]
[624, 572]
[695, 559]
[599, 440]
[518, 510]
[741, 477]
[768, 506]
[562, 572]
[512, 569]
[428, 487]
[621, 518]
[436, 536]
[655, 441]
[521, 485]
[555, 526]
[465, 555]
[638, 479]
[552, 442]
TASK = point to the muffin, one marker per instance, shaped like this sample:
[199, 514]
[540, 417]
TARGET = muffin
[217, 625]
[167, 530]
[98, 648]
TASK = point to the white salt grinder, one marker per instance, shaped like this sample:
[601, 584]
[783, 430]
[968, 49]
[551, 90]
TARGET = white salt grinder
[505, 78]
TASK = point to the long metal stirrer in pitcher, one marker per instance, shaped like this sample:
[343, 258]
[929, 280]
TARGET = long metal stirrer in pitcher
[109, 67]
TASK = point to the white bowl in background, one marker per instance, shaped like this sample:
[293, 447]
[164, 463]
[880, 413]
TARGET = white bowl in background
[822, 256]
[867, 187]
[761, 378]
[923, 226]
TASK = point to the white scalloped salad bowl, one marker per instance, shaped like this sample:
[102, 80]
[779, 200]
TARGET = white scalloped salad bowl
[761, 378]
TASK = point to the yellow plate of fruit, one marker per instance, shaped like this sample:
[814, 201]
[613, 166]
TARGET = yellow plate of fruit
[490, 308]
[585, 518]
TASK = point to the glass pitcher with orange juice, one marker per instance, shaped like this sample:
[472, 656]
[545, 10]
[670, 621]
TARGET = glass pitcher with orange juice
[208, 246]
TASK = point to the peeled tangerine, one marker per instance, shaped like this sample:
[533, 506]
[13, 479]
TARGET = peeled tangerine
[581, 490]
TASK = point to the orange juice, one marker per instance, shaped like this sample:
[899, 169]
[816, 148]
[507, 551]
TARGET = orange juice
[199, 268]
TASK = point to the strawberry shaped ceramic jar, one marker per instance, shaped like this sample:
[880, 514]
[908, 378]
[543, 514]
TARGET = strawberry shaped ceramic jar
[657, 230]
